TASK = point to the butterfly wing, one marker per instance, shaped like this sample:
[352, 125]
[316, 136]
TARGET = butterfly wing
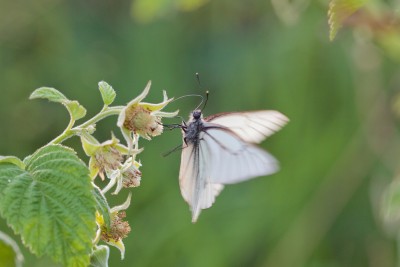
[194, 178]
[224, 155]
[233, 160]
[253, 126]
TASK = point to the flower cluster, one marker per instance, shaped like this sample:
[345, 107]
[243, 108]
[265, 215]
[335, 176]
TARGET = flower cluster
[117, 162]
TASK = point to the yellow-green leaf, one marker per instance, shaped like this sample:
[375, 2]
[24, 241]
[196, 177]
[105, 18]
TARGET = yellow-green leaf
[339, 11]
[76, 110]
[10, 254]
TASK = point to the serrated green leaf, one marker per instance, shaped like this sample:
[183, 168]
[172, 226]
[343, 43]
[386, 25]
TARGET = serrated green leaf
[13, 160]
[107, 93]
[99, 257]
[51, 204]
[102, 206]
[10, 254]
[339, 11]
[76, 110]
[49, 93]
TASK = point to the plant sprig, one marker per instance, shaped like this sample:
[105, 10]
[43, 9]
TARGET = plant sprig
[53, 185]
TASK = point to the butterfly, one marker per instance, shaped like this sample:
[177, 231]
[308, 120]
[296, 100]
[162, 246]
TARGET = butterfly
[221, 149]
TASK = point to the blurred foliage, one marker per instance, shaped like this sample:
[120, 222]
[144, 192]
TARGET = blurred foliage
[338, 154]
[339, 11]
[146, 11]
[10, 253]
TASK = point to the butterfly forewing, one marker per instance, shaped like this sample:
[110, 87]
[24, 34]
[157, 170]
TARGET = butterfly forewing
[194, 178]
[252, 127]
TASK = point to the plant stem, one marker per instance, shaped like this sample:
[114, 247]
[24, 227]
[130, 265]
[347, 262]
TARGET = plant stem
[69, 131]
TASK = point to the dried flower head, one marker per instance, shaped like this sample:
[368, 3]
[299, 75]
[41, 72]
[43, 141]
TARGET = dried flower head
[143, 119]
[118, 230]
[128, 175]
[104, 157]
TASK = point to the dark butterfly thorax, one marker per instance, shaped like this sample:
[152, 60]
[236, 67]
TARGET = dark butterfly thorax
[193, 129]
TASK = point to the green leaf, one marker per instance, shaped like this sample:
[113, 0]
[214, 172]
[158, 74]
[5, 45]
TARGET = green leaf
[13, 160]
[107, 93]
[49, 93]
[102, 206]
[51, 204]
[76, 110]
[339, 11]
[10, 253]
[100, 256]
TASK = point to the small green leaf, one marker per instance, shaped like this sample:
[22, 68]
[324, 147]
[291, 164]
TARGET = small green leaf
[99, 257]
[339, 11]
[51, 204]
[49, 93]
[13, 160]
[102, 206]
[76, 110]
[10, 254]
[107, 93]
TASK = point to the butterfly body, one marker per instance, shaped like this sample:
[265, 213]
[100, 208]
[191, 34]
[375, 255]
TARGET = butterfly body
[220, 150]
[193, 129]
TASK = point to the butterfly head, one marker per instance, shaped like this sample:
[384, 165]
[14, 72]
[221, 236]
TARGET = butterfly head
[196, 114]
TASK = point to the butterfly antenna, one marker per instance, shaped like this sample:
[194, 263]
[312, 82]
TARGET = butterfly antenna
[187, 96]
[205, 102]
[198, 79]
[202, 97]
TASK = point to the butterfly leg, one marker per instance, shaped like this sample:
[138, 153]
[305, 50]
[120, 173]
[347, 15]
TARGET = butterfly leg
[172, 126]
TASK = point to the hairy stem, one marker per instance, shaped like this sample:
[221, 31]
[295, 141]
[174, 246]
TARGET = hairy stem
[69, 131]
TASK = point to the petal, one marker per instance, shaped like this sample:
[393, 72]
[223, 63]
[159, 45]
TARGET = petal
[118, 244]
[119, 185]
[128, 137]
[165, 95]
[137, 164]
[121, 118]
[113, 179]
[124, 206]
[165, 114]
[140, 97]
[94, 170]
[121, 148]
[112, 142]
[155, 107]
[159, 106]
[99, 219]
[89, 144]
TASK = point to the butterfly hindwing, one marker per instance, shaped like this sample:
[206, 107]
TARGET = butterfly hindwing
[233, 160]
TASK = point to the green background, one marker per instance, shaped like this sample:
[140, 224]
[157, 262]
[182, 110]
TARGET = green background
[337, 154]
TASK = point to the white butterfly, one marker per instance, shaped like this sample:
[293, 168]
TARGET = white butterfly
[220, 150]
